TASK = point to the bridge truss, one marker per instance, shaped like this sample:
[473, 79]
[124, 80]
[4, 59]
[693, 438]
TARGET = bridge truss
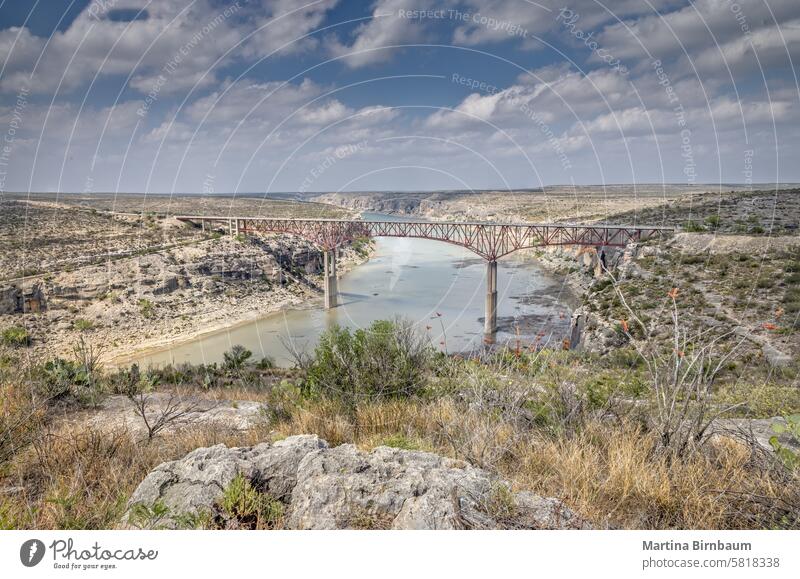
[489, 240]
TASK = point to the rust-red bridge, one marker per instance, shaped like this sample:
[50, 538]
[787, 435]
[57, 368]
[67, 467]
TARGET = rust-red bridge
[489, 240]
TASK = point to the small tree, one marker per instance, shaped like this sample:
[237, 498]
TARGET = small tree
[172, 411]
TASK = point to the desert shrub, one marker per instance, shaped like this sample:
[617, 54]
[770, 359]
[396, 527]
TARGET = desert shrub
[146, 308]
[15, 336]
[386, 360]
[602, 388]
[693, 227]
[80, 378]
[790, 457]
[361, 246]
[82, 324]
[160, 516]
[236, 358]
[266, 363]
[60, 378]
[284, 399]
[682, 368]
[244, 507]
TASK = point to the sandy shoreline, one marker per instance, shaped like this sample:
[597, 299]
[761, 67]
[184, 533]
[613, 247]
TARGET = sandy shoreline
[167, 343]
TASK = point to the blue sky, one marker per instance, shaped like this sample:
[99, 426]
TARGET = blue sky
[326, 95]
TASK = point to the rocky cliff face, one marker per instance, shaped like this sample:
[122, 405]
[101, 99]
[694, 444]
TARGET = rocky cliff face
[159, 296]
[22, 297]
[342, 487]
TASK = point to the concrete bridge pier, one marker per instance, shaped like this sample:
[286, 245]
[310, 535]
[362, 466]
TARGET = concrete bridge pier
[490, 319]
[329, 259]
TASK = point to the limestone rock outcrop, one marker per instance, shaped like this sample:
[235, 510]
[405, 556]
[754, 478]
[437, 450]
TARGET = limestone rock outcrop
[343, 487]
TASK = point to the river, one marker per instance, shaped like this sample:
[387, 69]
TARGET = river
[438, 286]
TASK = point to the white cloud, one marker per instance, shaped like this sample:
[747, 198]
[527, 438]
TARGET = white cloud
[386, 28]
[180, 41]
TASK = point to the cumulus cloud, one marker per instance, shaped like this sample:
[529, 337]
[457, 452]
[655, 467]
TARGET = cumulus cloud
[185, 42]
[711, 36]
[388, 26]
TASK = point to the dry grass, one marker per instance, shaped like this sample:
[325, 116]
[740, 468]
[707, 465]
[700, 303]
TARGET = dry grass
[21, 415]
[614, 476]
[76, 477]
[612, 473]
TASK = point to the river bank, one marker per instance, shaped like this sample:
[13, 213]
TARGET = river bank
[154, 301]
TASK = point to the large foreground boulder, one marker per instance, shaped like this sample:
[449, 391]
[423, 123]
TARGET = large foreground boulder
[342, 487]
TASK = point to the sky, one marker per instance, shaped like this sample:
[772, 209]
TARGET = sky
[213, 96]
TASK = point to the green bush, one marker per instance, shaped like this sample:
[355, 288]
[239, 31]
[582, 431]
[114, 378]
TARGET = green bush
[15, 336]
[80, 378]
[82, 324]
[243, 507]
[603, 387]
[61, 378]
[146, 308]
[387, 360]
[236, 358]
[266, 363]
[792, 427]
[693, 227]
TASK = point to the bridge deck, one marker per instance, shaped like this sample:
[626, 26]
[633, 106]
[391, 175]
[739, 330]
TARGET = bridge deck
[410, 221]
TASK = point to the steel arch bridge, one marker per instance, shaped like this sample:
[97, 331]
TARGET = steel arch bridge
[489, 240]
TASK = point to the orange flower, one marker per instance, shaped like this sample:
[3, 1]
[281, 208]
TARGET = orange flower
[768, 326]
[624, 325]
[673, 293]
[680, 353]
